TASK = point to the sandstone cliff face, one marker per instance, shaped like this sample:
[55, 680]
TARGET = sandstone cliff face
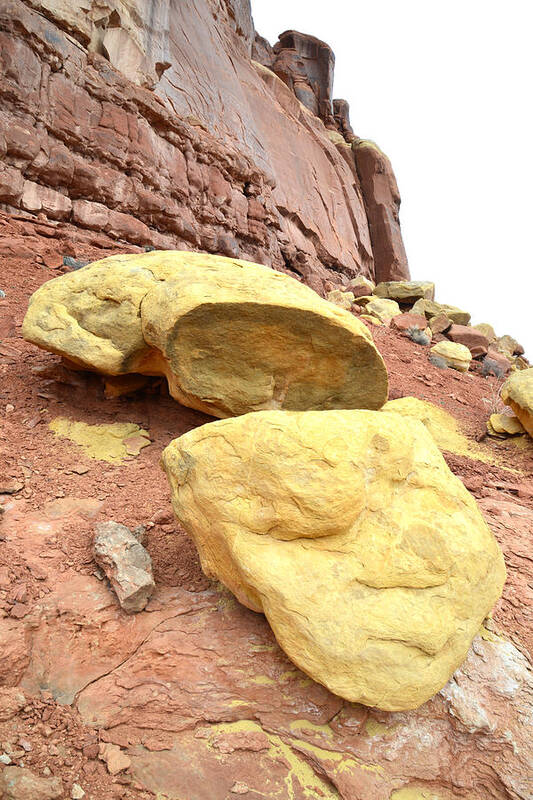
[152, 122]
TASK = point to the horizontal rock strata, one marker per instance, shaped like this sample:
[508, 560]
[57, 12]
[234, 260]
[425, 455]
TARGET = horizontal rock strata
[113, 120]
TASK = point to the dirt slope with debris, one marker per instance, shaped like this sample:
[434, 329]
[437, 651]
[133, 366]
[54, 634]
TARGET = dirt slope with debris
[194, 690]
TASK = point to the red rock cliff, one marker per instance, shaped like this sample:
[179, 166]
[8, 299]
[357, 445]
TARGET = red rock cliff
[152, 122]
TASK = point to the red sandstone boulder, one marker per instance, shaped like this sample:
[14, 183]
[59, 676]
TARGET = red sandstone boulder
[477, 343]
[405, 321]
[495, 363]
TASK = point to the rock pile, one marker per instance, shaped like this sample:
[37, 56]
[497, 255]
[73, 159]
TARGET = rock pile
[410, 305]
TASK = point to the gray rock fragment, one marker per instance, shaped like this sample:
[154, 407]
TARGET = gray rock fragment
[127, 565]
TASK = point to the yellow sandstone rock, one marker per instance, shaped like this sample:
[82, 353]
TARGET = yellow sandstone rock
[502, 425]
[431, 309]
[517, 392]
[368, 556]
[229, 336]
[456, 355]
[383, 309]
[407, 292]
[370, 318]
[342, 299]
[361, 286]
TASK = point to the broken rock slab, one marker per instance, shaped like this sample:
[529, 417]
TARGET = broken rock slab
[347, 529]
[230, 336]
[126, 563]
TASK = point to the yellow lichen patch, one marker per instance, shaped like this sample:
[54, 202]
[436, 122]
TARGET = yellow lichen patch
[262, 680]
[375, 728]
[343, 761]
[106, 442]
[415, 793]
[443, 428]
[263, 648]
[301, 778]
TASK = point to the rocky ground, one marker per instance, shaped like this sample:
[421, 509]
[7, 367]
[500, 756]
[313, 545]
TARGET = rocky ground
[192, 698]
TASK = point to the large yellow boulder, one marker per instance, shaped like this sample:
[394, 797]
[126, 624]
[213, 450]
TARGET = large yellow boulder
[368, 556]
[230, 336]
[517, 392]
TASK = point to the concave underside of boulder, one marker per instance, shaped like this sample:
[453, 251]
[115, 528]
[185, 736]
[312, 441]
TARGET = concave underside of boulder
[368, 556]
[229, 336]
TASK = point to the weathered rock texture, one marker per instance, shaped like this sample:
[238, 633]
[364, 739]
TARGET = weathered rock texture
[151, 122]
[122, 557]
[517, 392]
[370, 560]
[229, 336]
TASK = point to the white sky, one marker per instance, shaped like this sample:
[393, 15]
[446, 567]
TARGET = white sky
[445, 89]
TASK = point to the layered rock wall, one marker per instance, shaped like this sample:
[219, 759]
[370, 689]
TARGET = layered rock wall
[150, 121]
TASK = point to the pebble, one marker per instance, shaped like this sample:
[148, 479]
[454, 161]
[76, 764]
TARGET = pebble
[4, 759]
[77, 792]
[2, 293]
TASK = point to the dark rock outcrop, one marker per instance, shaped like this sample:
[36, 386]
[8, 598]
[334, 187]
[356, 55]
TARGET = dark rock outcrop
[153, 123]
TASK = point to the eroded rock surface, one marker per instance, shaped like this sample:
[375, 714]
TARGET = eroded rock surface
[230, 336]
[342, 510]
